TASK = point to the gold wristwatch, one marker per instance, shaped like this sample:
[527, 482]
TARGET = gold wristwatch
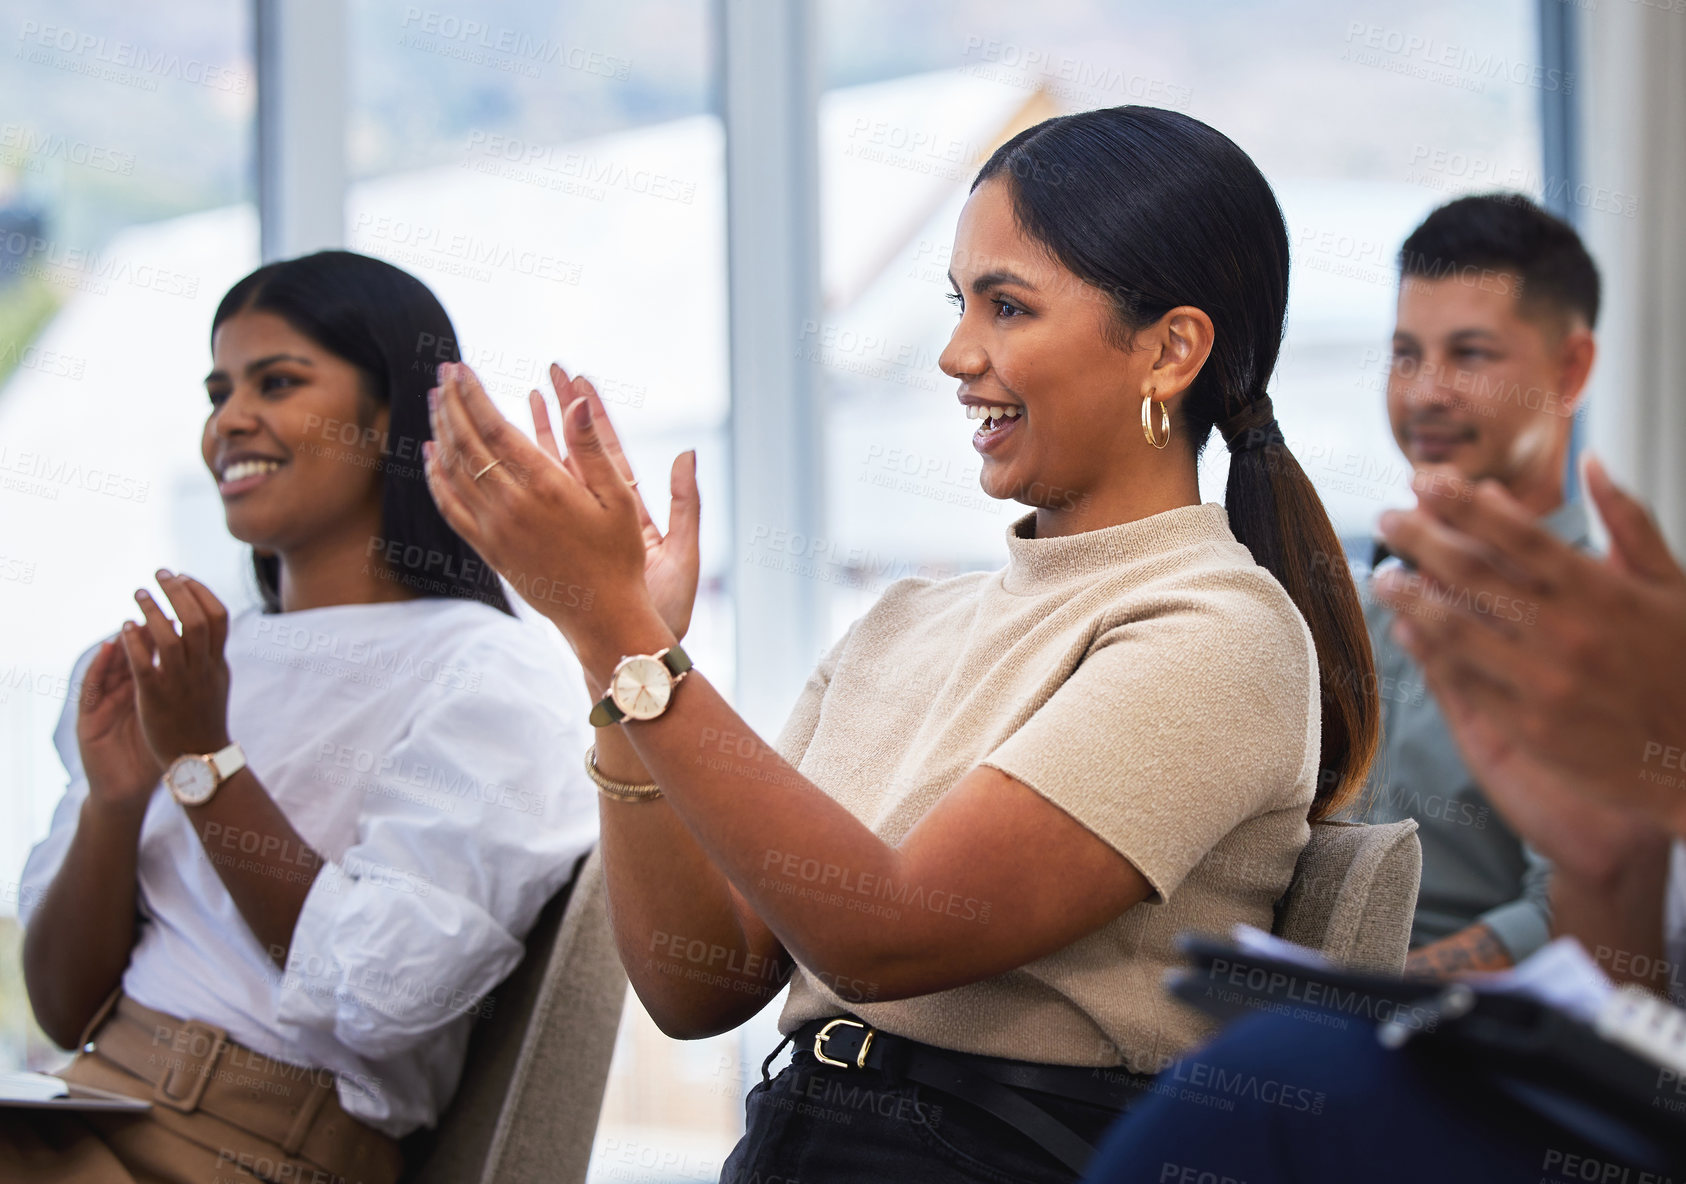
[641, 686]
[193, 778]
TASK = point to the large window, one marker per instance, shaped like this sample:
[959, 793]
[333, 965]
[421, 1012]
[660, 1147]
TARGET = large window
[1363, 116]
[555, 172]
[125, 213]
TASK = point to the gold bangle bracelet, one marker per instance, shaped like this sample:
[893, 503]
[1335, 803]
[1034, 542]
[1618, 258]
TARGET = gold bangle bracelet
[619, 790]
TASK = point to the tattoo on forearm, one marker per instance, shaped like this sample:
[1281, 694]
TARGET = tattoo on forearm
[1476, 948]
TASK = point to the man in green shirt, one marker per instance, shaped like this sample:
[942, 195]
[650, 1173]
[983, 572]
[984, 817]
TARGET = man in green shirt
[1492, 345]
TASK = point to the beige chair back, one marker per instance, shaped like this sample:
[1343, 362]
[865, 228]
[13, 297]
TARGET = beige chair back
[526, 1109]
[1354, 893]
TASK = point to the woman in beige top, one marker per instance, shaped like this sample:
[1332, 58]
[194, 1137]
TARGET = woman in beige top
[1000, 796]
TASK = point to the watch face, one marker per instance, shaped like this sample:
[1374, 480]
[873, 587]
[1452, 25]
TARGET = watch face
[641, 687]
[190, 778]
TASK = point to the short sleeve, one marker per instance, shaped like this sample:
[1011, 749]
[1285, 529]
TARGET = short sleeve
[1176, 728]
[1523, 925]
[47, 856]
[804, 719]
[474, 821]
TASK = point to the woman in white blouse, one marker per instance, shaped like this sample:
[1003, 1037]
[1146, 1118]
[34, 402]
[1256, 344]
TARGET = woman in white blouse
[299, 846]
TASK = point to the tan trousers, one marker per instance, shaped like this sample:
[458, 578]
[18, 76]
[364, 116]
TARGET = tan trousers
[221, 1114]
[37, 1146]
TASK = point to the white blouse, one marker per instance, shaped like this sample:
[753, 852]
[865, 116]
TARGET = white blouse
[430, 750]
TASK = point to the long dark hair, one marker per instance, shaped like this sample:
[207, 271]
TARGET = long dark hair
[391, 327]
[1156, 210]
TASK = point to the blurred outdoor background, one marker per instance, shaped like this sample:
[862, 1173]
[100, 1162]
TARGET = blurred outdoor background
[558, 173]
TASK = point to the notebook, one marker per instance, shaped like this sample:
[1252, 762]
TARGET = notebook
[42, 1091]
[1607, 1062]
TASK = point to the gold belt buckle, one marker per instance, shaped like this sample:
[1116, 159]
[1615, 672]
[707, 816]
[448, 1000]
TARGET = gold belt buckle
[198, 1068]
[821, 1036]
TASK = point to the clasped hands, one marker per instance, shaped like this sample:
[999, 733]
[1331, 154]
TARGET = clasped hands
[154, 692]
[565, 525]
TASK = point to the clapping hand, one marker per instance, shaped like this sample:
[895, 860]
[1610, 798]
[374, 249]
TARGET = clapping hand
[1560, 670]
[571, 524]
[1584, 836]
[180, 676]
[671, 561]
[121, 770]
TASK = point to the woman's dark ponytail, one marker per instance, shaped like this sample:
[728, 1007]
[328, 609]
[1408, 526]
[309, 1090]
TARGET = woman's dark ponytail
[1158, 210]
[1275, 511]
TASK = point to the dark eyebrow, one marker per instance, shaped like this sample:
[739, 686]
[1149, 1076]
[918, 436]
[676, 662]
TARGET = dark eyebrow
[1464, 334]
[254, 366]
[992, 278]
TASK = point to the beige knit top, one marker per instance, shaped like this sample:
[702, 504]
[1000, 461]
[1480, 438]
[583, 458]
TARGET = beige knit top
[1149, 679]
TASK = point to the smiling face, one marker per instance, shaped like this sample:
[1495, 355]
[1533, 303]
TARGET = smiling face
[1038, 363]
[1482, 387]
[292, 439]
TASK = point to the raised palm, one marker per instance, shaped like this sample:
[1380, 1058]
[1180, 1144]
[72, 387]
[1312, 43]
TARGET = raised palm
[671, 561]
[120, 768]
[1540, 798]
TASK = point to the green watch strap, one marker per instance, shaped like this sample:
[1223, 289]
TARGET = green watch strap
[676, 660]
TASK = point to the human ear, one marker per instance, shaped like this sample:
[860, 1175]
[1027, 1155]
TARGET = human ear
[1574, 363]
[1183, 340]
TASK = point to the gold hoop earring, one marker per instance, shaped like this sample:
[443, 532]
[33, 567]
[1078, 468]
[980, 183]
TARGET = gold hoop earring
[1147, 420]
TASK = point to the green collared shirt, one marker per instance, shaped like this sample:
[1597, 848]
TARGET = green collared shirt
[1474, 866]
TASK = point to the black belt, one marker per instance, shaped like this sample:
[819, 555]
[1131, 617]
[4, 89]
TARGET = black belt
[986, 1082]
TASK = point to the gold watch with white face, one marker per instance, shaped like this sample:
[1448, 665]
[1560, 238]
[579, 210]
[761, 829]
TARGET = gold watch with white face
[193, 779]
[641, 686]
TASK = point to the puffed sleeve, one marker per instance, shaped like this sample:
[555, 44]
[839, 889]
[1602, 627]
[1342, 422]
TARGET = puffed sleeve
[47, 856]
[1175, 728]
[473, 821]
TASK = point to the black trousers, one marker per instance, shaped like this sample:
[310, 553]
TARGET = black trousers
[815, 1124]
